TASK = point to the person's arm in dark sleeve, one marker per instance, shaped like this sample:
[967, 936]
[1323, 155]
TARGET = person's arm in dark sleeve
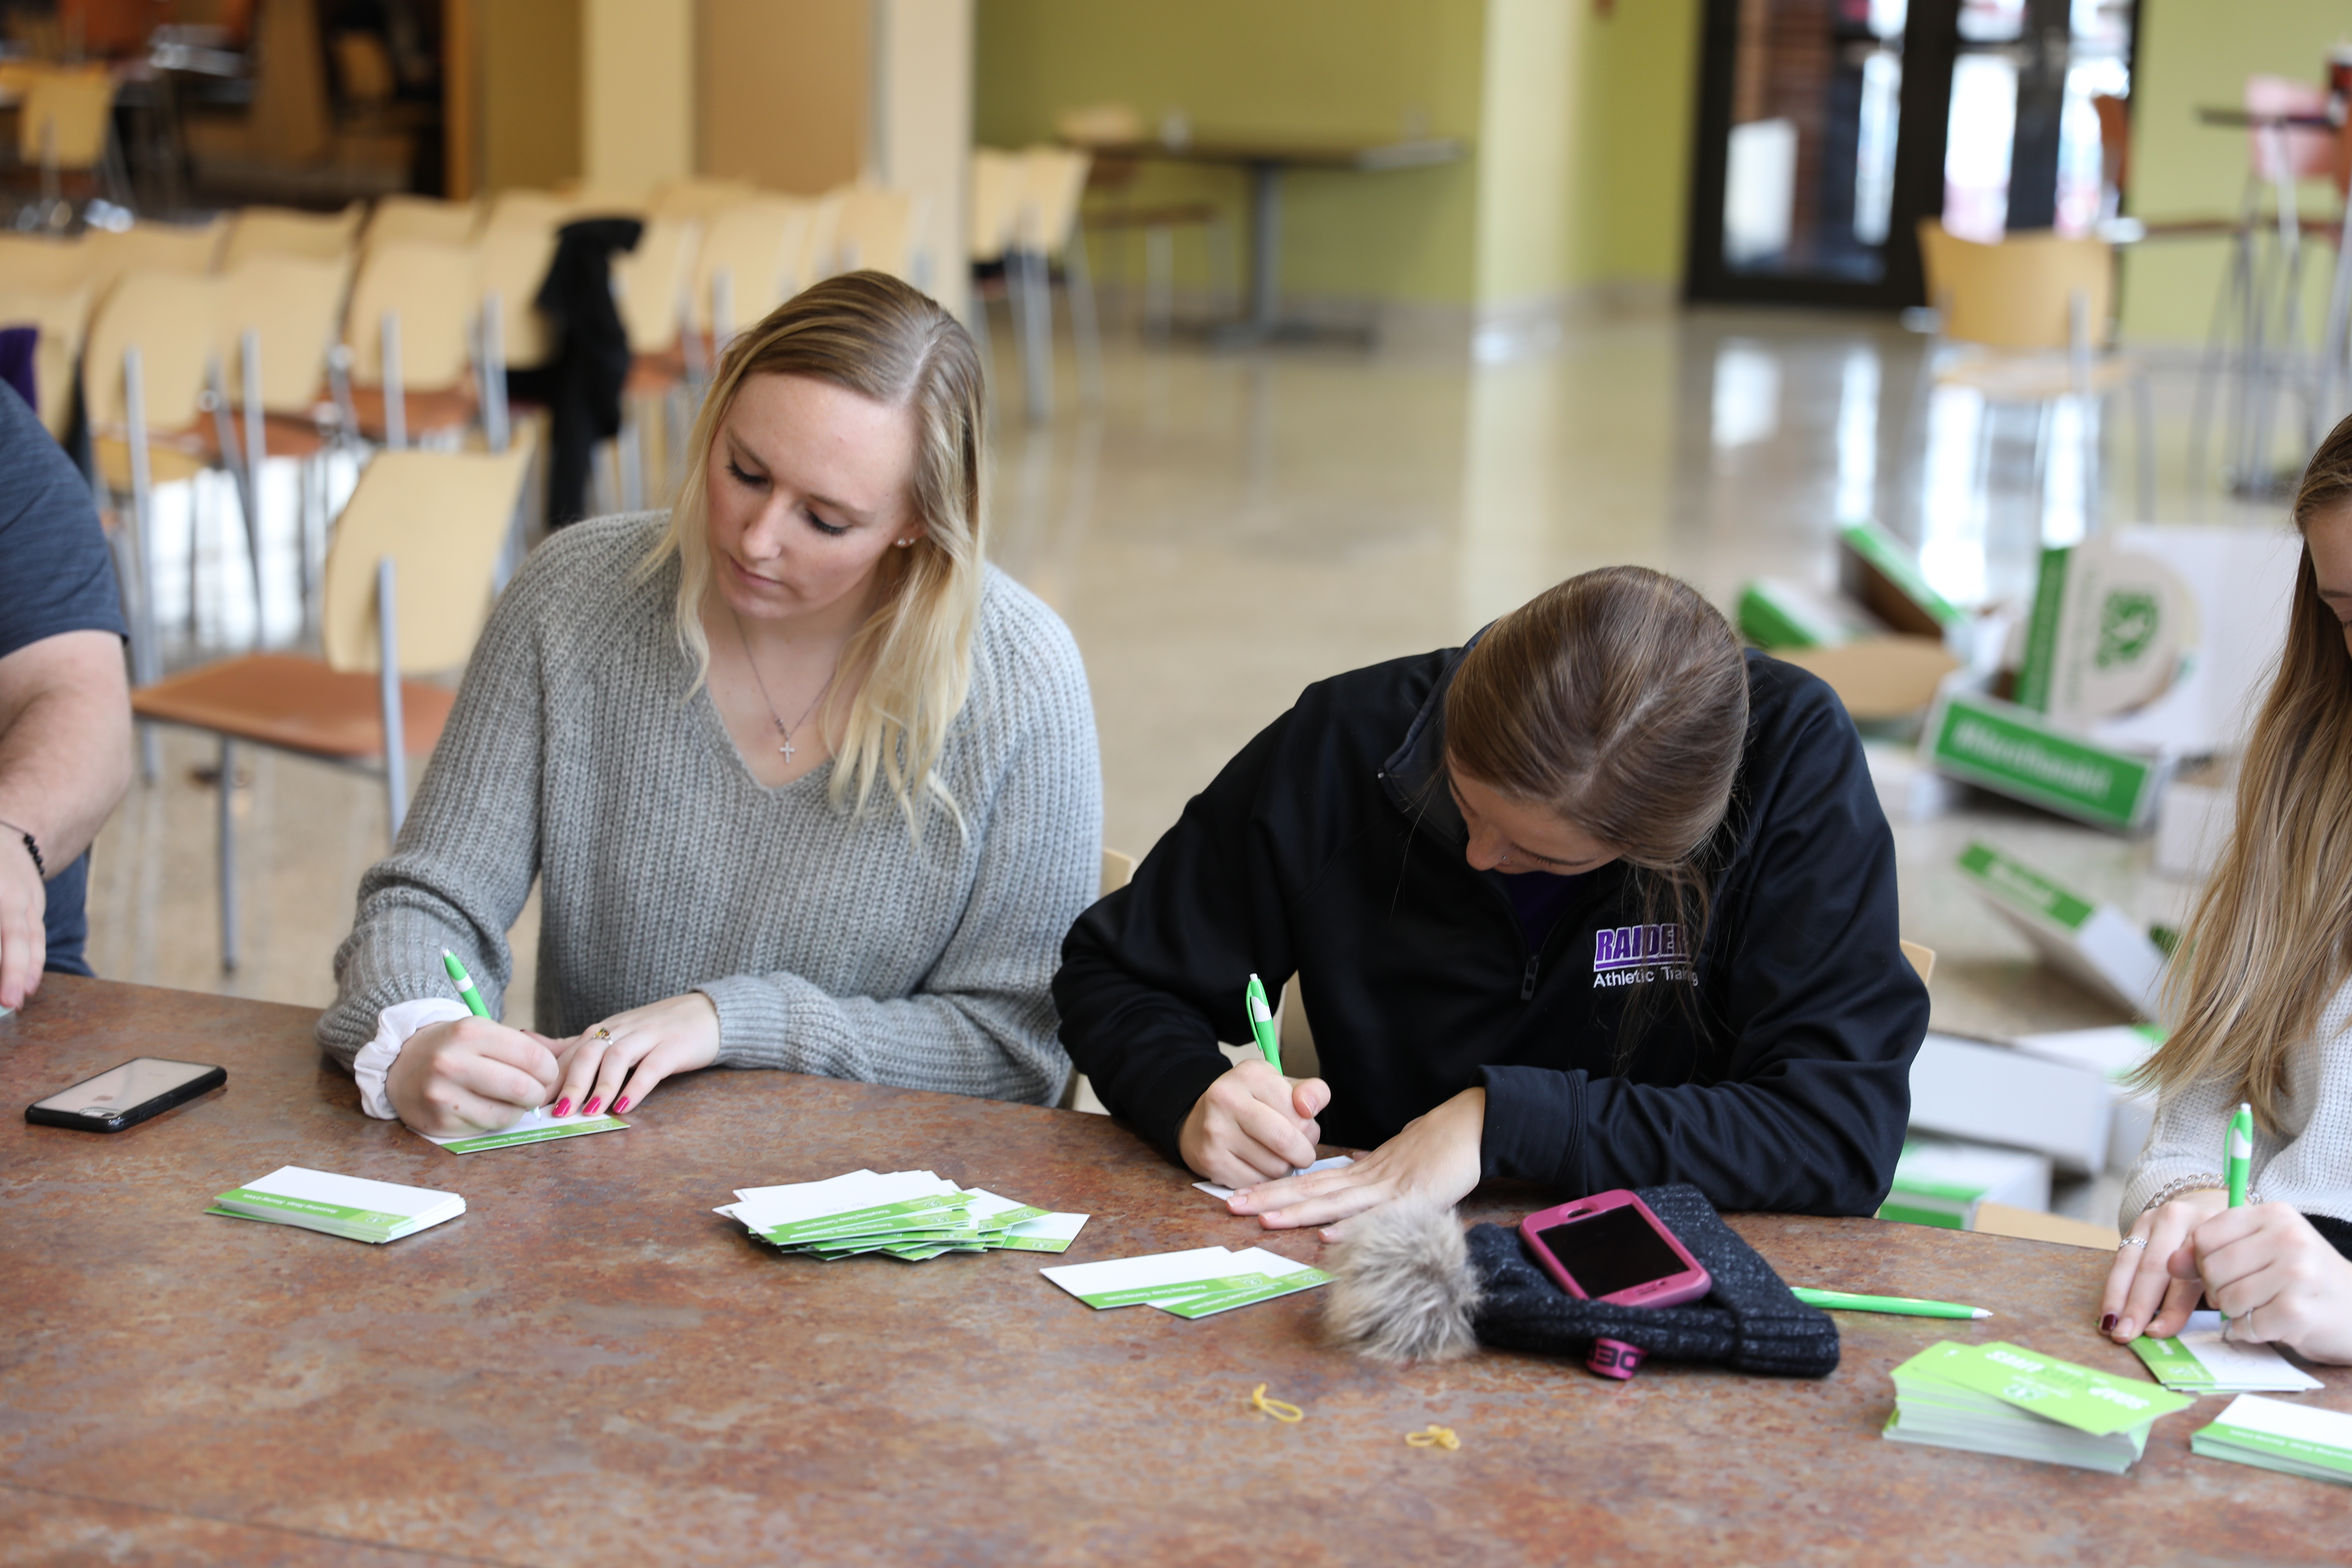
[1152, 975]
[1822, 1016]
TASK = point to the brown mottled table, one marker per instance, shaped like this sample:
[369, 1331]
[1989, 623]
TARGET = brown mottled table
[589, 1366]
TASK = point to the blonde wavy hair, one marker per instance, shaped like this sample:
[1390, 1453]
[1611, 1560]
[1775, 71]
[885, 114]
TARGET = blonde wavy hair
[883, 340]
[2271, 939]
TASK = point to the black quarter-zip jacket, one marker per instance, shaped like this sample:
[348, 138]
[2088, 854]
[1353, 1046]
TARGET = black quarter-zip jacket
[1773, 1073]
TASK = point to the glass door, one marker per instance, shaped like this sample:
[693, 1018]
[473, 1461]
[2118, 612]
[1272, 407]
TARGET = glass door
[1828, 128]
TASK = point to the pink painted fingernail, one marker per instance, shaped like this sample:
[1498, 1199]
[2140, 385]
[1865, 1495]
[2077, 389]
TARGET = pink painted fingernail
[620, 1105]
[589, 1108]
[563, 1105]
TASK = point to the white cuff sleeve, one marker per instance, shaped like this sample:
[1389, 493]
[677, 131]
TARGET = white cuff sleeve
[392, 1027]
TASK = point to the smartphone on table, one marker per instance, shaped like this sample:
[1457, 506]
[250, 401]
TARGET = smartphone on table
[1610, 1247]
[125, 1096]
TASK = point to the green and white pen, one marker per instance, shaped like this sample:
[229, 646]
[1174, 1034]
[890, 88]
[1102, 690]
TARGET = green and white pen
[465, 991]
[1900, 1306]
[2237, 1157]
[1261, 1021]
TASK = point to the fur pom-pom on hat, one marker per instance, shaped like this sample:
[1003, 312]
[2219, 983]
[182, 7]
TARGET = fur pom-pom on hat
[1403, 1286]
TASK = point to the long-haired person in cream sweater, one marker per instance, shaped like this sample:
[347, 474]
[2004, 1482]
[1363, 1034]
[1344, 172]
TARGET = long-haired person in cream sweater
[805, 783]
[2262, 993]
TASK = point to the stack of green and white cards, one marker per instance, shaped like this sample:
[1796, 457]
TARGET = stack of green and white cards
[348, 1207]
[2201, 1362]
[2275, 1435]
[2004, 1399]
[537, 1126]
[908, 1214]
[1194, 1284]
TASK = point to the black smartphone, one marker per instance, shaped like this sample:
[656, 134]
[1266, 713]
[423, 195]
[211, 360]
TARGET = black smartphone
[126, 1096]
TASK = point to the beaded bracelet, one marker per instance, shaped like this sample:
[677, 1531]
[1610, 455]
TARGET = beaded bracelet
[32, 847]
[2181, 1184]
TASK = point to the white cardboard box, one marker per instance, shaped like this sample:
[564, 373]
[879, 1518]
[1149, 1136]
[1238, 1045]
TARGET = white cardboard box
[1987, 1093]
[2112, 1053]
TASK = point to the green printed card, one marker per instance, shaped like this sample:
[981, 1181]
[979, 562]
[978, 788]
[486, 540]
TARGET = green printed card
[2272, 1435]
[2054, 1390]
[537, 1126]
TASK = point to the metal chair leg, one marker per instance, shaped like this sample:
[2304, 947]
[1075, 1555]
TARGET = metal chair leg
[228, 820]
[2144, 412]
[395, 729]
[1085, 331]
[395, 390]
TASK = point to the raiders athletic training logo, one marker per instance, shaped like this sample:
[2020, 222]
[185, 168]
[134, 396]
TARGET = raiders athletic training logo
[1631, 955]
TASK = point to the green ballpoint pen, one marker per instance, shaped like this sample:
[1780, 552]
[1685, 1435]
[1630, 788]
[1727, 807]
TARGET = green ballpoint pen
[1900, 1306]
[1261, 1022]
[465, 991]
[2238, 1164]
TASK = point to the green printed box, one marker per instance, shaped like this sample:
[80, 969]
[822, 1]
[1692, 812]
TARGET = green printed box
[2013, 751]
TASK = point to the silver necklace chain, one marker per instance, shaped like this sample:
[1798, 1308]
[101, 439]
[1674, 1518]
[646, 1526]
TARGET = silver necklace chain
[784, 733]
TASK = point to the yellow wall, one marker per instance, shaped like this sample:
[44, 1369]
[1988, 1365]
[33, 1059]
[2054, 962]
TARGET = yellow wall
[783, 98]
[1270, 68]
[1638, 106]
[530, 92]
[2194, 53]
[637, 66]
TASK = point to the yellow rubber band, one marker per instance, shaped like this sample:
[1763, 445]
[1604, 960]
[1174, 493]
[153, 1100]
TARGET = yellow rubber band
[1435, 1437]
[1281, 1410]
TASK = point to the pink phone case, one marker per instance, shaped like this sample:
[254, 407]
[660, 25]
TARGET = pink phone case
[1613, 1358]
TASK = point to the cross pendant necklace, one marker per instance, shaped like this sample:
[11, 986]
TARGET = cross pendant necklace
[784, 732]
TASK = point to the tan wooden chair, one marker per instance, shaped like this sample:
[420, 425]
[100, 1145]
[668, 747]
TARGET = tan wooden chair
[283, 231]
[65, 120]
[2030, 319]
[62, 316]
[1045, 226]
[515, 249]
[650, 286]
[702, 198]
[45, 265]
[279, 320]
[748, 263]
[110, 255]
[400, 219]
[408, 586]
[876, 231]
[408, 342]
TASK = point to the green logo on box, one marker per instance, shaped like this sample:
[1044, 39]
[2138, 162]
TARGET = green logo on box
[1979, 742]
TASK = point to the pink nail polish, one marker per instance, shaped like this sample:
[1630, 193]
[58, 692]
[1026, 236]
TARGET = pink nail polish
[563, 1105]
[620, 1105]
[589, 1108]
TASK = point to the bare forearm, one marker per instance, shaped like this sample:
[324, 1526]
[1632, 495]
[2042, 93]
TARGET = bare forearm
[65, 741]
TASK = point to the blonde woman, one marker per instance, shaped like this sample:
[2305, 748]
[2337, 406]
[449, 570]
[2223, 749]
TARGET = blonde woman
[2263, 995]
[806, 784]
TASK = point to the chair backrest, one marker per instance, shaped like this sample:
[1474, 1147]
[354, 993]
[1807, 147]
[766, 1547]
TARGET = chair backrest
[403, 217]
[876, 231]
[436, 290]
[111, 254]
[585, 198]
[63, 116]
[443, 518]
[172, 319]
[515, 251]
[2298, 151]
[282, 231]
[998, 178]
[2018, 293]
[758, 243]
[2115, 142]
[60, 316]
[527, 208]
[1054, 178]
[650, 283]
[1118, 870]
[294, 305]
[45, 265]
[699, 198]
[1921, 957]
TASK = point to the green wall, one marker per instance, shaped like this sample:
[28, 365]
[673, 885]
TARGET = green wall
[1581, 122]
[1277, 69]
[2194, 53]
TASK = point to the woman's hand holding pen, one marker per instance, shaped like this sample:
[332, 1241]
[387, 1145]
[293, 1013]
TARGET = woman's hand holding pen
[2279, 1279]
[472, 1075]
[1252, 1124]
[1435, 1157]
[613, 1065]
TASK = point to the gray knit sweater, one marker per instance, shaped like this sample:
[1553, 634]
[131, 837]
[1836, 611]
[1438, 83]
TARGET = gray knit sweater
[830, 943]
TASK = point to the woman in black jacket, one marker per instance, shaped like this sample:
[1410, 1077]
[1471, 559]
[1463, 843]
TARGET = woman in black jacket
[1596, 901]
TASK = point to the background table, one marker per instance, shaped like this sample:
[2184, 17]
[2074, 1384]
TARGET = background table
[590, 1366]
[1265, 161]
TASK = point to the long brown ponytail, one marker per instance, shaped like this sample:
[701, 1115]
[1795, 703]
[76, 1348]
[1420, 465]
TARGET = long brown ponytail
[1618, 702]
[2271, 939]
